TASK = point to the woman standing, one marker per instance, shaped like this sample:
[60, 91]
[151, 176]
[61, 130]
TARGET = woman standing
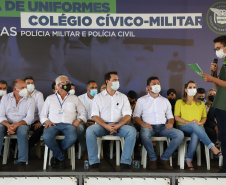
[190, 113]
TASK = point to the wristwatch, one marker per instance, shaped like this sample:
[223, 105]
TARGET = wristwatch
[80, 120]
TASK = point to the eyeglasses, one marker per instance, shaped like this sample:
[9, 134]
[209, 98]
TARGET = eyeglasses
[218, 48]
[65, 82]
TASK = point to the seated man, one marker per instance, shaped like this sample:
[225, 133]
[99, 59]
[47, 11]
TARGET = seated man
[16, 114]
[3, 88]
[59, 117]
[36, 126]
[154, 109]
[201, 94]
[111, 111]
[87, 100]
[72, 91]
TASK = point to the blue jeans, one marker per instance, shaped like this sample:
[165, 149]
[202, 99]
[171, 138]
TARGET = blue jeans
[81, 130]
[160, 130]
[58, 148]
[96, 130]
[196, 133]
[22, 140]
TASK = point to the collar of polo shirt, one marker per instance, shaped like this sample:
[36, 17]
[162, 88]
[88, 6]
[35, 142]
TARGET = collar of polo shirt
[106, 93]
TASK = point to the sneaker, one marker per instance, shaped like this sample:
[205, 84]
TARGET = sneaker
[94, 167]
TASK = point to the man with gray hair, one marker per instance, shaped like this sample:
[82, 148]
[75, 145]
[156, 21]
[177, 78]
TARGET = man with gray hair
[59, 114]
[16, 114]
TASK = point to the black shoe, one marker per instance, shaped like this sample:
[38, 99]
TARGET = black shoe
[94, 167]
[125, 167]
[222, 171]
[61, 164]
[20, 166]
[54, 162]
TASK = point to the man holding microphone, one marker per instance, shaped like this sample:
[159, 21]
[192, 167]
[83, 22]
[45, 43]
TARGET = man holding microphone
[220, 99]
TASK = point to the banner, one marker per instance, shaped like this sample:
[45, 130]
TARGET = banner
[86, 39]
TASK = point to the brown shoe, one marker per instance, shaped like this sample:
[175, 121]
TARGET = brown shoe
[153, 165]
[166, 164]
[85, 155]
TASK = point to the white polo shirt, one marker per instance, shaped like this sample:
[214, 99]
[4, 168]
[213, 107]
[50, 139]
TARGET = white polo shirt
[111, 108]
[14, 113]
[153, 110]
[39, 101]
[71, 105]
[87, 102]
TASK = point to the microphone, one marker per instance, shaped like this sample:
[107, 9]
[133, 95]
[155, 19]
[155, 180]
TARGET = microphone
[214, 61]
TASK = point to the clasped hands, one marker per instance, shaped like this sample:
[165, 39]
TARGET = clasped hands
[196, 122]
[112, 128]
[11, 129]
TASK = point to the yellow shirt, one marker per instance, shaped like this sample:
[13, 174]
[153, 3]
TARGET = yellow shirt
[189, 112]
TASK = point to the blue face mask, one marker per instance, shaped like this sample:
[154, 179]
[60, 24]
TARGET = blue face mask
[93, 92]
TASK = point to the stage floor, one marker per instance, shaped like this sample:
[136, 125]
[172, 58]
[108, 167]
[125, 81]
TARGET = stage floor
[107, 165]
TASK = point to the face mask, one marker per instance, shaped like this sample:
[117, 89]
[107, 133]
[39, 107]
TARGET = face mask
[115, 85]
[72, 91]
[211, 98]
[156, 89]
[172, 101]
[30, 87]
[220, 53]
[132, 102]
[192, 92]
[66, 87]
[201, 99]
[23, 93]
[2, 92]
[93, 92]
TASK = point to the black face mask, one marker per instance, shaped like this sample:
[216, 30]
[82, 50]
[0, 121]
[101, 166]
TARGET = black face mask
[131, 103]
[201, 99]
[172, 101]
[211, 98]
[66, 87]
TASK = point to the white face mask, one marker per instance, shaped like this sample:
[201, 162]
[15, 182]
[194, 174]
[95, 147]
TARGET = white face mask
[72, 91]
[30, 87]
[220, 53]
[156, 89]
[115, 85]
[23, 93]
[2, 92]
[192, 92]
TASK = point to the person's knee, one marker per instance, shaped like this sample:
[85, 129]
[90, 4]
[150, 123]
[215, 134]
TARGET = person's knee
[23, 131]
[180, 135]
[47, 136]
[144, 133]
[72, 138]
[132, 132]
[90, 131]
[194, 125]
